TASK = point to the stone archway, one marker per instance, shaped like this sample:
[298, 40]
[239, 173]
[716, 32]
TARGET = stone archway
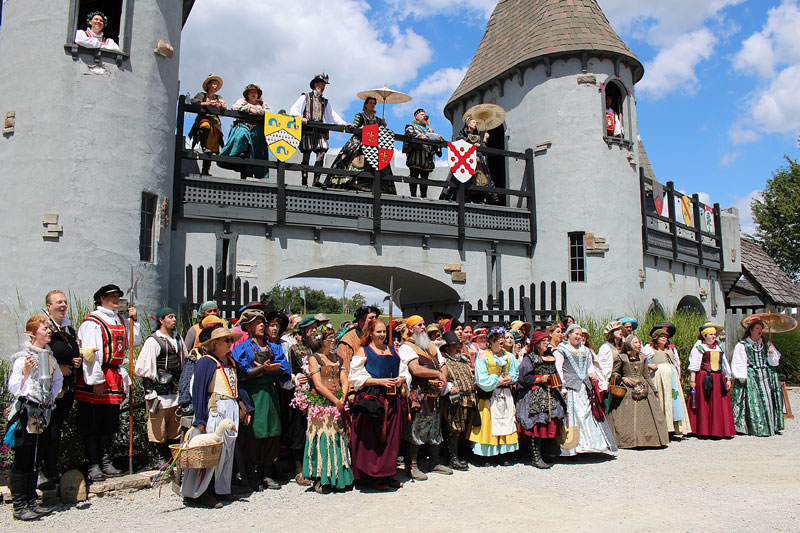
[691, 304]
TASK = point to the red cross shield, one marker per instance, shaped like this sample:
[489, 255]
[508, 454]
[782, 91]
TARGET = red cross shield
[463, 159]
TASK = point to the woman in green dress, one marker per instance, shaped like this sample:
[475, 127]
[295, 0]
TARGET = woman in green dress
[756, 396]
[263, 367]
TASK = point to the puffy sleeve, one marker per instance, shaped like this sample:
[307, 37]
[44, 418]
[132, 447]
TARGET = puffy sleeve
[146, 362]
[15, 385]
[241, 105]
[332, 117]
[358, 120]
[604, 363]
[695, 358]
[58, 378]
[560, 367]
[526, 377]
[285, 379]
[407, 354]
[91, 336]
[590, 365]
[486, 381]
[243, 356]
[726, 367]
[774, 356]
[739, 362]
[298, 106]
[513, 367]
[358, 372]
[83, 39]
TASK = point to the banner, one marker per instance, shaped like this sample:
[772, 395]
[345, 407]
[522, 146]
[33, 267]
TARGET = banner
[463, 159]
[283, 134]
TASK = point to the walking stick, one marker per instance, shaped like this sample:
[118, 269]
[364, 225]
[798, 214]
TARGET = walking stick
[132, 292]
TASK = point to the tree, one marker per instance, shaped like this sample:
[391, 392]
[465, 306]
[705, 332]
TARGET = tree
[777, 215]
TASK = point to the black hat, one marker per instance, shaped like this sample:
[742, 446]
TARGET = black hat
[364, 310]
[319, 77]
[668, 326]
[105, 290]
[282, 318]
[450, 338]
[418, 111]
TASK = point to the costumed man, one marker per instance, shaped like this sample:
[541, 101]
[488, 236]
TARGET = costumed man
[629, 325]
[103, 382]
[460, 400]
[206, 308]
[66, 350]
[428, 377]
[419, 157]
[159, 365]
[350, 342]
[297, 423]
[315, 107]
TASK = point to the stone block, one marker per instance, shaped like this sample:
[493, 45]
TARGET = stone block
[136, 481]
[452, 268]
[5, 495]
[458, 277]
[50, 218]
[73, 487]
[587, 79]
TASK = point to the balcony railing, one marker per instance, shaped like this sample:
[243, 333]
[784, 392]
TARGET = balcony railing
[273, 202]
[668, 235]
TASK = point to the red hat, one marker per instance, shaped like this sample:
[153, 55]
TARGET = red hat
[537, 337]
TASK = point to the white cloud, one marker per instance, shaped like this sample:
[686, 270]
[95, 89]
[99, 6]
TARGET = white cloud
[424, 8]
[776, 108]
[432, 93]
[282, 48]
[333, 287]
[778, 42]
[757, 54]
[729, 158]
[742, 203]
[673, 68]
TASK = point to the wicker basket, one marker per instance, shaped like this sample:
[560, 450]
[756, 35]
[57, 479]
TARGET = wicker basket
[616, 389]
[196, 457]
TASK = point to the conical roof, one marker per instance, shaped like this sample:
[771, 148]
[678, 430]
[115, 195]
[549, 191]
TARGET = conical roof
[522, 30]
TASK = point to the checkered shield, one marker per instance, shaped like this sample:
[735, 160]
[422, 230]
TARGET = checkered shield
[378, 145]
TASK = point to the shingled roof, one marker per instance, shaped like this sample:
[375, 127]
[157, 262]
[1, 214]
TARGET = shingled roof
[763, 272]
[521, 30]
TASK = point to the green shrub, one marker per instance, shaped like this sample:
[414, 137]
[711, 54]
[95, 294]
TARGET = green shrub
[789, 346]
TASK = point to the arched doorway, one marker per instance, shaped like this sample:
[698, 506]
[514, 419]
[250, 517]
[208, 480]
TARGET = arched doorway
[691, 304]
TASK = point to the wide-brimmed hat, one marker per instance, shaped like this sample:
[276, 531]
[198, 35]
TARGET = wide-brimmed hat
[720, 329]
[321, 318]
[105, 290]
[524, 327]
[221, 333]
[252, 87]
[611, 326]
[662, 327]
[283, 320]
[213, 320]
[319, 77]
[209, 79]
[250, 315]
[431, 328]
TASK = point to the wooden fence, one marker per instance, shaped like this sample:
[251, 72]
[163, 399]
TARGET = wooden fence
[229, 292]
[511, 305]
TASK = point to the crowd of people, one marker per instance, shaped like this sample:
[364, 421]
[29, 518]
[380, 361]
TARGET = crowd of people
[352, 405]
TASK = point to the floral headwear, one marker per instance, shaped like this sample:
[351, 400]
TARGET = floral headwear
[498, 331]
[322, 331]
[91, 15]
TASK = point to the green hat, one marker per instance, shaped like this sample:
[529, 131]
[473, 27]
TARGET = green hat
[307, 321]
[164, 311]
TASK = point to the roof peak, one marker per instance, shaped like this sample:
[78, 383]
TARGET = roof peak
[521, 30]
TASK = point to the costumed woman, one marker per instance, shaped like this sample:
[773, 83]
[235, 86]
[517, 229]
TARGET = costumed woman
[380, 408]
[459, 401]
[327, 454]
[604, 358]
[419, 157]
[636, 419]
[262, 367]
[35, 381]
[207, 129]
[351, 156]
[556, 334]
[667, 378]
[92, 36]
[496, 370]
[710, 410]
[246, 139]
[757, 397]
[540, 409]
[481, 177]
[585, 413]
[217, 395]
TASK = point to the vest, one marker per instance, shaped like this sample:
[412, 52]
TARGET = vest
[425, 359]
[382, 366]
[224, 384]
[111, 356]
[712, 359]
[197, 329]
[315, 110]
[494, 368]
[168, 359]
[113, 352]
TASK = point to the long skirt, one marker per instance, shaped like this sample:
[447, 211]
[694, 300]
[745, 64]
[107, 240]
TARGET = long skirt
[247, 144]
[546, 425]
[196, 481]
[594, 436]
[671, 400]
[638, 423]
[371, 454]
[484, 442]
[327, 454]
[758, 403]
[713, 414]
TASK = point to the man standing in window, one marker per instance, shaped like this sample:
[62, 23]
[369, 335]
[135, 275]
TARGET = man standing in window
[102, 383]
[613, 120]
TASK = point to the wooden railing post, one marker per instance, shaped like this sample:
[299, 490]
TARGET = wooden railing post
[672, 220]
[718, 233]
[460, 195]
[177, 171]
[530, 179]
[376, 205]
[698, 226]
[643, 200]
[281, 199]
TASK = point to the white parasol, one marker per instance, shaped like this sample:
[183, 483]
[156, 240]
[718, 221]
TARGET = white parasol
[385, 96]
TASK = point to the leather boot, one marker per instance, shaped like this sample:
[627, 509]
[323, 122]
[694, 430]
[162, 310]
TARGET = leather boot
[91, 442]
[452, 450]
[414, 472]
[536, 449]
[108, 467]
[433, 454]
[33, 504]
[19, 495]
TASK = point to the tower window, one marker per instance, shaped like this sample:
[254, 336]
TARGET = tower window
[111, 38]
[577, 256]
[146, 232]
[616, 112]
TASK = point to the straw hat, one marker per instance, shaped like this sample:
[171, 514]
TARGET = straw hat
[221, 333]
[209, 79]
[251, 87]
[611, 326]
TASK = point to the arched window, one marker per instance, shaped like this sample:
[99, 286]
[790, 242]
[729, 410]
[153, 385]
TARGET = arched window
[616, 111]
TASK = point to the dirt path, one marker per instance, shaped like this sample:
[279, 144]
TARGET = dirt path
[745, 483]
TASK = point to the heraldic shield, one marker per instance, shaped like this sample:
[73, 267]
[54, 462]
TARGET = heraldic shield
[463, 159]
[377, 142]
[283, 134]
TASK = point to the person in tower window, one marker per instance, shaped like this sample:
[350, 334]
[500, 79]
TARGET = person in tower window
[613, 120]
[92, 36]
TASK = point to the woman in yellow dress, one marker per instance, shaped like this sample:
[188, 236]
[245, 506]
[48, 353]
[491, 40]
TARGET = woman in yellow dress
[667, 378]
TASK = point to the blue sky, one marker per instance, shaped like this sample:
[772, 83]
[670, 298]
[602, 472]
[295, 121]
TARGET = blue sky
[717, 106]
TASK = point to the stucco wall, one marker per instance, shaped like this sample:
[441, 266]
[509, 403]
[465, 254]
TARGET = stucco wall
[86, 144]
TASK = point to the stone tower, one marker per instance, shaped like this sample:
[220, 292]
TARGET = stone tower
[87, 149]
[550, 64]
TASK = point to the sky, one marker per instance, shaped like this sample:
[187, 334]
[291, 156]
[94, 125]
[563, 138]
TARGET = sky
[717, 106]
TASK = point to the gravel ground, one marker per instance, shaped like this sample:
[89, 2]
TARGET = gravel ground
[745, 483]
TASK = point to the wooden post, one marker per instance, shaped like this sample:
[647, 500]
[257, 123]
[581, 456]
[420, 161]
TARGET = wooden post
[177, 172]
[461, 196]
[643, 200]
[376, 205]
[697, 226]
[281, 199]
[530, 179]
[672, 220]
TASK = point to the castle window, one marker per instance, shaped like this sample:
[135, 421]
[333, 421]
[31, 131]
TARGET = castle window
[109, 40]
[146, 227]
[616, 112]
[577, 256]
